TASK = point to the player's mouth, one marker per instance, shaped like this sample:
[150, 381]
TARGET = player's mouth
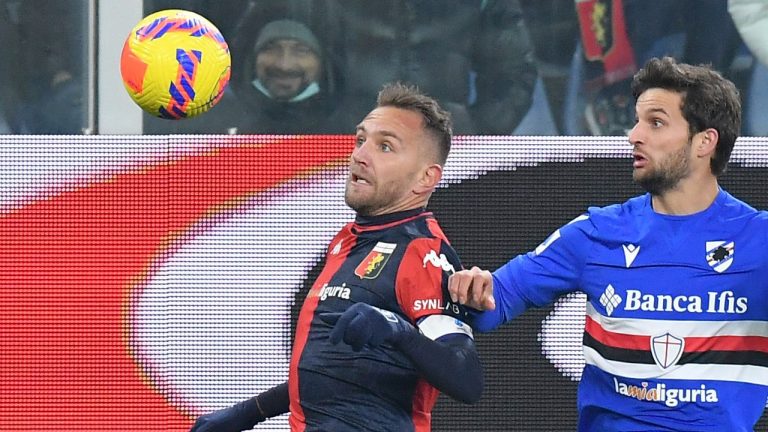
[639, 161]
[357, 179]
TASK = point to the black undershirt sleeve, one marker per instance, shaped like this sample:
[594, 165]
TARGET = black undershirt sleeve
[273, 402]
[450, 363]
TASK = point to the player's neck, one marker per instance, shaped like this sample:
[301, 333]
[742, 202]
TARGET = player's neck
[692, 195]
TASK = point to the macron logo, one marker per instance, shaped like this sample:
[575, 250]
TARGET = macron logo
[630, 253]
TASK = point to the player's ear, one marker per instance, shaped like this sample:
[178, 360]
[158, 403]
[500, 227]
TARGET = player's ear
[430, 177]
[707, 142]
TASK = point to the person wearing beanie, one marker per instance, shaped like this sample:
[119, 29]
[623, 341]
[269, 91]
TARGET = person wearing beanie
[282, 82]
[288, 61]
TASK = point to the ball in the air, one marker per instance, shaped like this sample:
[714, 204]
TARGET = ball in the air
[175, 64]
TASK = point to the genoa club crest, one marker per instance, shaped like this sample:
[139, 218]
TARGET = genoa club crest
[371, 266]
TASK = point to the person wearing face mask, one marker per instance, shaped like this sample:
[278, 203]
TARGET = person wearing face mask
[288, 62]
[288, 91]
[283, 84]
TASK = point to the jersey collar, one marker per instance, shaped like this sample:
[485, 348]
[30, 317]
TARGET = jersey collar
[387, 219]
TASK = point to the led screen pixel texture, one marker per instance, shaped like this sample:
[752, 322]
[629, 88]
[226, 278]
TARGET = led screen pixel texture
[146, 280]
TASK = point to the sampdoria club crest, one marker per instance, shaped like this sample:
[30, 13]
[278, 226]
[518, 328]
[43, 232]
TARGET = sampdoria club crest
[720, 255]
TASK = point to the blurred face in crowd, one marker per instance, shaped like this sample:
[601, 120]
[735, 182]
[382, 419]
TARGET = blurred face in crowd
[392, 167]
[662, 145]
[286, 67]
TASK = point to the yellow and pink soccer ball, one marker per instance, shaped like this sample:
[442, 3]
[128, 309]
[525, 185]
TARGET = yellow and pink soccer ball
[175, 64]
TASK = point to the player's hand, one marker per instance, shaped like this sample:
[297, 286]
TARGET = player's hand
[366, 325]
[239, 417]
[473, 288]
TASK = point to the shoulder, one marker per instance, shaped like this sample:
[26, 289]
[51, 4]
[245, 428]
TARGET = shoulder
[426, 243]
[420, 235]
[633, 207]
[601, 223]
[734, 207]
[618, 216]
[736, 214]
[434, 251]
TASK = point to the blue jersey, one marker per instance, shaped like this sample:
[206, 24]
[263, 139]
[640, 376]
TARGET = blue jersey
[676, 332]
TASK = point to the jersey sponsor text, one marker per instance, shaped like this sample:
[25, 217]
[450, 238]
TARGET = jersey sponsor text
[435, 304]
[334, 291]
[671, 397]
[714, 302]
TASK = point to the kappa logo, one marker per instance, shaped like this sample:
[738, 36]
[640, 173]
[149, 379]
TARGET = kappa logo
[609, 299]
[438, 261]
[667, 350]
[370, 267]
[630, 253]
[720, 255]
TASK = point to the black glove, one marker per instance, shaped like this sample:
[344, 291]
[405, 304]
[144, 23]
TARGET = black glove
[363, 324]
[239, 417]
[246, 414]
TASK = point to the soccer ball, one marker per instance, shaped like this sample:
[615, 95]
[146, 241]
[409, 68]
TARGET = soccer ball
[175, 64]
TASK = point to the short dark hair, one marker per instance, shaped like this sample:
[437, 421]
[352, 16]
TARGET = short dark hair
[437, 121]
[708, 101]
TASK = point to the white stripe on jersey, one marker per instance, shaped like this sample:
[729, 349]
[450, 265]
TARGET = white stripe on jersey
[680, 328]
[689, 371]
[435, 326]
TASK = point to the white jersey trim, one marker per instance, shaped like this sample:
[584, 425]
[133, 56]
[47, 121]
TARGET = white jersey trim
[681, 328]
[435, 326]
[689, 371]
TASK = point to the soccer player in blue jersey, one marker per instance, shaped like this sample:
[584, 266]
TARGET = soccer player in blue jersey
[676, 333]
[377, 336]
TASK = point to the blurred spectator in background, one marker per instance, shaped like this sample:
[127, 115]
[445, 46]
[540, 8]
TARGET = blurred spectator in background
[609, 64]
[617, 35]
[8, 72]
[53, 91]
[554, 31]
[285, 90]
[42, 77]
[751, 20]
[476, 57]
[287, 62]
[281, 82]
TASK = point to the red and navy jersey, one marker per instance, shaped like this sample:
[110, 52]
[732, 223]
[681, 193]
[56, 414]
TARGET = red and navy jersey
[398, 262]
